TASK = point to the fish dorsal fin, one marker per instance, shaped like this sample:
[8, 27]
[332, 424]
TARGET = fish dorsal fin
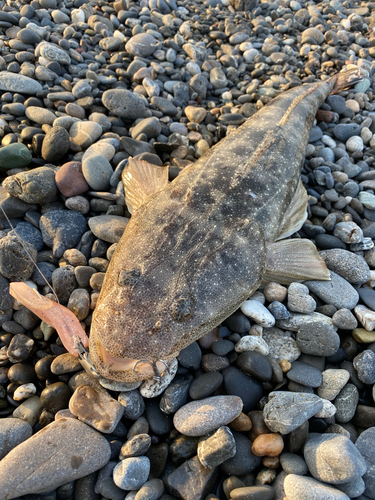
[295, 215]
[142, 179]
[294, 260]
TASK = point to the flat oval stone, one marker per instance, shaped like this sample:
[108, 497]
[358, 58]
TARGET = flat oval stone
[305, 488]
[345, 462]
[248, 388]
[142, 45]
[205, 384]
[56, 455]
[108, 227]
[85, 133]
[201, 417]
[305, 374]
[350, 266]
[70, 180]
[318, 339]
[337, 292]
[55, 144]
[15, 82]
[14, 156]
[124, 103]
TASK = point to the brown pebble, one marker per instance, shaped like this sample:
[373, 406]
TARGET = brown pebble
[285, 365]
[323, 115]
[270, 445]
[271, 462]
[69, 179]
[96, 281]
[258, 425]
[266, 476]
[97, 409]
[242, 423]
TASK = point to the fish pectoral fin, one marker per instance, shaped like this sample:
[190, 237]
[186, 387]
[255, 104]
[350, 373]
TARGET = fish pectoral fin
[142, 179]
[295, 215]
[294, 260]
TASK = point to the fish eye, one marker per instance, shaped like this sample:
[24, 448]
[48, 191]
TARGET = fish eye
[129, 277]
[182, 308]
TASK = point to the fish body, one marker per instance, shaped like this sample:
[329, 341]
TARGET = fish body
[194, 251]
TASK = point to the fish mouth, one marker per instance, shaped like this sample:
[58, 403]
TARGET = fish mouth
[125, 369]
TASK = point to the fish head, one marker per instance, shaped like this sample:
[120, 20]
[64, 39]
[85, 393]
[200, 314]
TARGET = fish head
[165, 289]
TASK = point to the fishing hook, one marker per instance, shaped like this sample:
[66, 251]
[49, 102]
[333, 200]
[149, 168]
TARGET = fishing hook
[157, 375]
[85, 357]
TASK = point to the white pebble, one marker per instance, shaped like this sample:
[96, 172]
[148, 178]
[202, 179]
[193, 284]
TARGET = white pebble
[366, 317]
[249, 55]
[328, 410]
[258, 313]
[328, 141]
[78, 16]
[354, 144]
[24, 391]
[251, 343]
[151, 388]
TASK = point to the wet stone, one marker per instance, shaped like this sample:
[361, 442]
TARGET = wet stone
[96, 408]
[20, 348]
[176, 394]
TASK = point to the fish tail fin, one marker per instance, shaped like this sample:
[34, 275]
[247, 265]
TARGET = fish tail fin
[346, 79]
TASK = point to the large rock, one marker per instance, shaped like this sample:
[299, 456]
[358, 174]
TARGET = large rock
[15, 82]
[61, 452]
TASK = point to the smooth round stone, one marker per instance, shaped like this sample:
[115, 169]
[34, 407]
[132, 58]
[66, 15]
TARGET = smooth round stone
[201, 417]
[54, 53]
[337, 103]
[97, 172]
[255, 364]
[305, 374]
[55, 144]
[204, 385]
[333, 381]
[252, 343]
[354, 144]
[131, 473]
[256, 311]
[343, 131]
[40, 115]
[269, 445]
[142, 45]
[62, 229]
[110, 43]
[85, 133]
[55, 397]
[293, 464]
[253, 493]
[133, 404]
[27, 35]
[51, 461]
[21, 373]
[327, 242]
[13, 432]
[286, 411]
[19, 348]
[35, 186]
[305, 488]
[149, 126]
[318, 339]
[244, 461]
[190, 357]
[14, 82]
[75, 110]
[346, 463]
[346, 403]
[364, 363]
[70, 180]
[350, 266]
[100, 148]
[65, 363]
[246, 387]
[299, 299]
[96, 408]
[78, 203]
[344, 319]
[124, 104]
[238, 322]
[109, 228]
[165, 106]
[15, 262]
[337, 292]
[14, 155]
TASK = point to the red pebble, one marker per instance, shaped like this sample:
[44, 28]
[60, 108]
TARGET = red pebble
[70, 180]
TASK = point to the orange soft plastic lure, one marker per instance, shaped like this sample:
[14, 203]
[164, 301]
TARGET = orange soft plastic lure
[59, 317]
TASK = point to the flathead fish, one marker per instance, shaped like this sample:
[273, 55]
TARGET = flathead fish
[196, 248]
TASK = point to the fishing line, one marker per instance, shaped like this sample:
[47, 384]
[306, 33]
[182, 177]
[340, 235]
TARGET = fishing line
[75, 340]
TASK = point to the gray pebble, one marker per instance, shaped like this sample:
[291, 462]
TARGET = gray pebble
[97, 171]
[293, 464]
[131, 473]
[124, 103]
[350, 266]
[299, 299]
[304, 374]
[346, 403]
[15, 263]
[337, 292]
[217, 448]
[13, 431]
[305, 488]
[318, 339]
[35, 186]
[364, 363]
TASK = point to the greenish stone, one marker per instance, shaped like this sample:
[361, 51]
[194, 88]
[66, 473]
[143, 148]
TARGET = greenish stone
[362, 86]
[14, 156]
[363, 336]
[367, 200]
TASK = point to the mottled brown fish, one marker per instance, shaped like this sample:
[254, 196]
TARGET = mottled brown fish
[196, 248]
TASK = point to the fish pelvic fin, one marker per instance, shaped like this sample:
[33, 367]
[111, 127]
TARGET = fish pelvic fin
[142, 179]
[347, 79]
[295, 215]
[294, 260]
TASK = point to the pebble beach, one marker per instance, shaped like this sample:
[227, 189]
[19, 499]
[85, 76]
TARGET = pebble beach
[278, 402]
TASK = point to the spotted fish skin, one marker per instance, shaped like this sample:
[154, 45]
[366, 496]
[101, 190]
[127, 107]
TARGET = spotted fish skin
[193, 252]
